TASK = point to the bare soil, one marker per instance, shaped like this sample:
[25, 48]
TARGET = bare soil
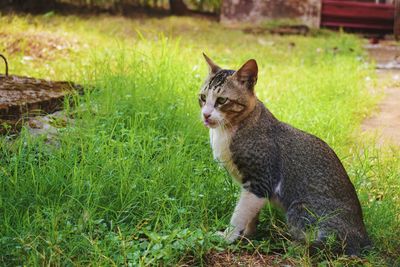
[42, 46]
[385, 122]
[227, 259]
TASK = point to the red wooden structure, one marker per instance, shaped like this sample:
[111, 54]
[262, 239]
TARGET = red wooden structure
[397, 19]
[367, 16]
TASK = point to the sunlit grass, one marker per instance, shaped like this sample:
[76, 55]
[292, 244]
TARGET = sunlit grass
[132, 180]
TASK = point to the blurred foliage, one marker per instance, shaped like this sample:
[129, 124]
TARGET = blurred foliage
[200, 5]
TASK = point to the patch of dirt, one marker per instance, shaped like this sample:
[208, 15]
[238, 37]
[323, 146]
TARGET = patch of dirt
[386, 121]
[43, 45]
[385, 54]
[48, 126]
[226, 259]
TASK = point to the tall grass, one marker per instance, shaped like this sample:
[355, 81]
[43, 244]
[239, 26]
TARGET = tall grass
[132, 180]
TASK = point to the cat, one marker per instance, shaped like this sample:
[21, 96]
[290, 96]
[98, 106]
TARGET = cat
[274, 161]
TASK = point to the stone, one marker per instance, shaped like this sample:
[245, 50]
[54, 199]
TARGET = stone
[23, 97]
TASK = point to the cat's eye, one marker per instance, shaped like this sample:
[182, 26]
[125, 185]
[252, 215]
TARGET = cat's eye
[221, 100]
[203, 97]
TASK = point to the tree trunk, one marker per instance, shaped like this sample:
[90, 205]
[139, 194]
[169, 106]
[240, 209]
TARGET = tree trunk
[178, 7]
[397, 19]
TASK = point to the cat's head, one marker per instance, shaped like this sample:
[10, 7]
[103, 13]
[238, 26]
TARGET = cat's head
[227, 96]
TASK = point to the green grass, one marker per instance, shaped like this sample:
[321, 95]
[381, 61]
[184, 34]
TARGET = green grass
[132, 181]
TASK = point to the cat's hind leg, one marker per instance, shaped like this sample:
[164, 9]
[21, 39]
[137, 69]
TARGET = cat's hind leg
[320, 234]
[299, 220]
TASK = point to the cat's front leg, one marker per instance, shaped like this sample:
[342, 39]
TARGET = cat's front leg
[245, 215]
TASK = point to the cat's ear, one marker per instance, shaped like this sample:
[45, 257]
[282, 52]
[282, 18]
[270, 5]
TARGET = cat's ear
[247, 74]
[214, 68]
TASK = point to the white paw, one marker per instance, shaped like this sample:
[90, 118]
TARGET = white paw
[220, 234]
[229, 234]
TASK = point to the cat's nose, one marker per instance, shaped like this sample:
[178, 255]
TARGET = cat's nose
[206, 115]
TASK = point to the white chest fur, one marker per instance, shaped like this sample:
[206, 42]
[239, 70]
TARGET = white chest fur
[220, 141]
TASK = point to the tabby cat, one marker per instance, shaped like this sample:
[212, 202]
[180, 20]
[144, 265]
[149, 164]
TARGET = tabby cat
[274, 161]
